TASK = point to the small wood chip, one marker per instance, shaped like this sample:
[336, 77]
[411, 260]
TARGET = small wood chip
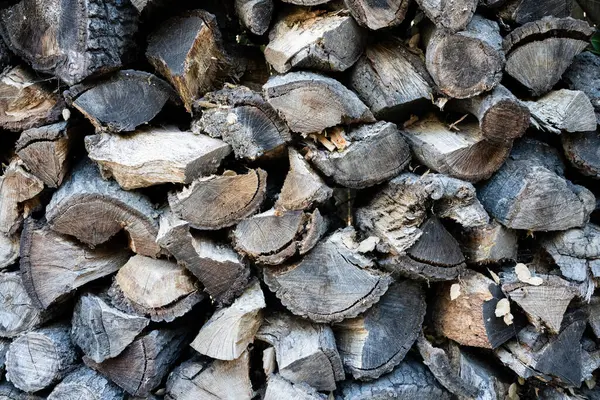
[336, 134]
[502, 308]
[524, 275]
[454, 291]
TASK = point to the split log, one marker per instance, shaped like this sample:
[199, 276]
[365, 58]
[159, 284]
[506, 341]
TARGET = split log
[524, 11]
[4, 343]
[53, 266]
[38, 359]
[475, 52]
[584, 75]
[373, 343]
[377, 16]
[465, 154]
[220, 201]
[273, 237]
[242, 118]
[492, 3]
[255, 14]
[9, 392]
[9, 250]
[188, 52]
[502, 117]
[343, 287]
[279, 388]
[527, 193]
[218, 267]
[93, 210]
[539, 52]
[356, 166]
[100, 330]
[201, 379]
[391, 80]
[453, 16]
[19, 313]
[153, 156]
[103, 102]
[86, 384]
[298, 94]
[73, 40]
[229, 331]
[580, 149]
[306, 352]
[593, 309]
[563, 111]
[303, 188]
[311, 40]
[160, 289]
[487, 244]
[142, 366]
[306, 3]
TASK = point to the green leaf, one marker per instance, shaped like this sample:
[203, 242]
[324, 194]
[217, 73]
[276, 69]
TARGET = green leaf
[596, 43]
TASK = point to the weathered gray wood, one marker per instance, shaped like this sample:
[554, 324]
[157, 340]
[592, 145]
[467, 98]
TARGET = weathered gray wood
[18, 310]
[581, 150]
[475, 52]
[40, 358]
[378, 15]
[4, 343]
[279, 388]
[298, 94]
[584, 75]
[152, 156]
[9, 392]
[453, 16]
[74, 40]
[86, 384]
[311, 40]
[330, 283]
[491, 243]
[593, 309]
[188, 52]
[563, 111]
[100, 330]
[160, 289]
[373, 343]
[306, 352]
[524, 11]
[93, 210]
[492, 3]
[539, 52]
[9, 250]
[122, 101]
[255, 14]
[229, 331]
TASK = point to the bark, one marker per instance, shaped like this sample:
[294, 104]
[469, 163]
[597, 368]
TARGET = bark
[581, 151]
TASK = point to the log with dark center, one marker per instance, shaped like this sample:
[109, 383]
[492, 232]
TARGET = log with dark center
[488, 244]
[524, 11]
[581, 150]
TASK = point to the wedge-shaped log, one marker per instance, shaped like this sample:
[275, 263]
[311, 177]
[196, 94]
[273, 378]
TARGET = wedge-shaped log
[219, 201]
[160, 289]
[524, 11]
[255, 15]
[16, 186]
[93, 210]
[584, 75]
[539, 52]
[343, 287]
[19, 312]
[297, 95]
[100, 330]
[580, 148]
[188, 52]
[9, 392]
[306, 352]
[378, 15]
[86, 384]
[563, 111]
[103, 102]
[487, 244]
[453, 16]
[152, 156]
[279, 388]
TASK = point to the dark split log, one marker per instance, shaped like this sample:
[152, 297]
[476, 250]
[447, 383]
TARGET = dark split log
[19, 313]
[466, 63]
[255, 15]
[356, 166]
[489, 244]
[378, 15]
[539, 52]
[453, 16]
[219, 201]
[9, 392]
[298, 94]
[581, 151]
[160, 289]
[584, 75]
[103, 102]
[4, 343]
[279, 388]
[153, 156]
[524, 11]
[311, 39]
[188, 52]
[102, 331]
[373, 343]
[342, 287]
[86, 384]
[306, 352]
[563, 111]
[93, 210]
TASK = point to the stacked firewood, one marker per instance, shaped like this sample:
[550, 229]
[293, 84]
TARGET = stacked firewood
[299, 199]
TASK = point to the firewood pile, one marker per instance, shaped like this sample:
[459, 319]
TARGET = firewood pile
[299, 200]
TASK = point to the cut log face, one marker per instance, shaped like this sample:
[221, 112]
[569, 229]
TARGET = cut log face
[306, 352]
[144, 363]
[86, 384]
[563, 111]
[375, 15]
[242, 118]
[373, 343]
[539, 52]
[391, 79]
[488, 244]
[219, 201]
[464, 155]
[279, 388]
[79, 39]
[9, 392]
[103, 102]
[153, 156]
[201, 379]
[100, 330]
[38, 359]
[86, 200]
[227, 334]
[187, 51]
[581, 149]
[453, 16]
[9, 250]
[356, 166]
[308, 39]
[255, 14]
[584, 75]
[330, 283]
[160, 289]
[524, 11]
[19, 313]
[298, 94]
